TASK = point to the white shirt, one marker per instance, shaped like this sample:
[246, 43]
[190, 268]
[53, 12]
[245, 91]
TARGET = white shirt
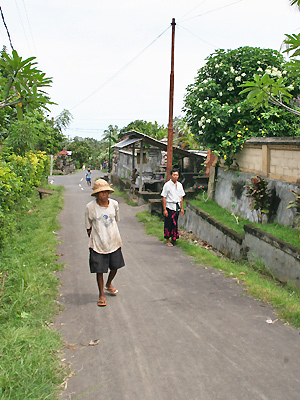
[173, 192]
[105, 237]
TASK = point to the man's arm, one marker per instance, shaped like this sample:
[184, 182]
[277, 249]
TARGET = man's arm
[164, 204]
[181, 206]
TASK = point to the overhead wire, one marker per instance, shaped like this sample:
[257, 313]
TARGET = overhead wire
[192, 10]
[120, 70]
[29, 26]
[23, 27]
[198, 37]
[210, 11]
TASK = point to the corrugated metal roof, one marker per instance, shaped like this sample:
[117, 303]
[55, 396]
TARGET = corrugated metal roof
[126, 142]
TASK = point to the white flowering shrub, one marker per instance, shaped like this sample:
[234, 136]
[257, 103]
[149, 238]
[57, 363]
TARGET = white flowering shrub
[219, 117]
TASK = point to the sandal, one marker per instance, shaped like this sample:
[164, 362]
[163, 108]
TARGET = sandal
[101, 303]
[112, 291]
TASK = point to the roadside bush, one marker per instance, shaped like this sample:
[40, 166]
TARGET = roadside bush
[18, 177]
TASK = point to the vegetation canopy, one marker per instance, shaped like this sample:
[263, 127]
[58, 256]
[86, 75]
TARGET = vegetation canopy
[220, 117]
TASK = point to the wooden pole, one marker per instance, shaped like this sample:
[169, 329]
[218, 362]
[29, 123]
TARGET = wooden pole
[170, 125]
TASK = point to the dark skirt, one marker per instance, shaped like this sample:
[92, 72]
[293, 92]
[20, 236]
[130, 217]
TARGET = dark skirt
[99, 263]
[171, 225]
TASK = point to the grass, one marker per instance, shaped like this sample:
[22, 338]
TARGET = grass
[258, 282]
[285, 233]
[30, 367]
[121, 193]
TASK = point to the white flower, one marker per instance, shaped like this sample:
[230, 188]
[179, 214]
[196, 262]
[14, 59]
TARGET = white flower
[208, 121]
[291, 87]
[225, 73]
[205, 81]
[243, 74]
[258, 62]
[232, 70]
[203, 118]
[218, 119]
[230, 111]
[230, 88]
[200, 133]
[220, 94]
[217, 65]
[238, 78]
[260, 69]
[284, 72]
[268, 71]
[205, 101]
[239, 109]
[200, 105]
[203, 127]
[201, 89]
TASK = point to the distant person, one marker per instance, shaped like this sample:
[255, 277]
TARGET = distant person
[172, 201]
[83, 167]
[88, 177]
[101, 217]
[134, 175]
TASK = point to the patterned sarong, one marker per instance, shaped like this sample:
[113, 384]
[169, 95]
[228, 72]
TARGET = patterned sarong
[171, 225]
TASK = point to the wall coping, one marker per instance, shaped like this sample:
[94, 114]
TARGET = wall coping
[295, 141]
[273, 240]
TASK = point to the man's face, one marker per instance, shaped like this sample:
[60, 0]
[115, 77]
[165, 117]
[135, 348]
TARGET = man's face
[175, 176]
[103, 196]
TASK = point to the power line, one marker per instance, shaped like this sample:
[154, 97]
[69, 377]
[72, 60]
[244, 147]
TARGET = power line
[29, 27]
[192, 10]
[215, 9]
[6, 28]
[23, 26]
[120, 70]
[202, 40]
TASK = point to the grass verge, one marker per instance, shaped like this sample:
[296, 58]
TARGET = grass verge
[121, 193]
[285, 233]
[259, 283]
[30, 366]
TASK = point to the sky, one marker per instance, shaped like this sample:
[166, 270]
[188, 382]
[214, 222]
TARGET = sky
[110, 60]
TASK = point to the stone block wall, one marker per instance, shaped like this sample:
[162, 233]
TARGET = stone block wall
[275, 158]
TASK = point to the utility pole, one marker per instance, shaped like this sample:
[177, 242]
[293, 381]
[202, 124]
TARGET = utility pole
[170, 125]
[109, 151]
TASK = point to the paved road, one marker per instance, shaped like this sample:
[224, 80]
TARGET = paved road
[175, 331]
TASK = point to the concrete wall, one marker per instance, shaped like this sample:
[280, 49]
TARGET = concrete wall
[230, 193]
[207, 228]
[279, 257]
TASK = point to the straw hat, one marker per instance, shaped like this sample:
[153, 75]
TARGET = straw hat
[100, 185]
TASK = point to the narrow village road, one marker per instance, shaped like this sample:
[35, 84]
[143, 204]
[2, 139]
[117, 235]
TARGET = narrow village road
[175, 331]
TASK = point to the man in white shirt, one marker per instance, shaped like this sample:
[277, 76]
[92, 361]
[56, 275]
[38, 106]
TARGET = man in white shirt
[172, 201]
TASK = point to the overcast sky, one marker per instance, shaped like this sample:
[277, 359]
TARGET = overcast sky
[104, 71]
